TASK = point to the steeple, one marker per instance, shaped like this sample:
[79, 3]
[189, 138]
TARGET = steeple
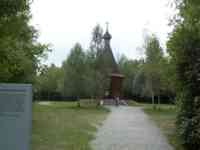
[109, 67]
[107, 36]
[108, 60]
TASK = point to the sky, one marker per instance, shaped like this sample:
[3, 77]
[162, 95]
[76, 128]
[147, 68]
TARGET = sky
[62, 23]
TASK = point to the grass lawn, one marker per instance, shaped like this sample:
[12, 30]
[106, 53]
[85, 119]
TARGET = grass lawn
[165, 117]
[64, 126]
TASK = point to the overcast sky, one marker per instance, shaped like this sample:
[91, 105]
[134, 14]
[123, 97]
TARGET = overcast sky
[62, 23]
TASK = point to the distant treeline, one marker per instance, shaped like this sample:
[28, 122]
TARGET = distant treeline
[157, 77]
[148, 79]
[60, 98]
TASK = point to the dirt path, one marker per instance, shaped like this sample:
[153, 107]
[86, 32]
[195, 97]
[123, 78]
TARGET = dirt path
[129, 128]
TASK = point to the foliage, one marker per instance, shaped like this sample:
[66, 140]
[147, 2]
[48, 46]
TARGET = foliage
[75, 72]
[139, 82]
[168, 78]
[79, 75]
[148, 80]
[20, 53]
[83, 72]
[98, 82]
[152, 66]
[129, 69]
[10, 7]
[183, 47]
[96, 43]
[49, 81]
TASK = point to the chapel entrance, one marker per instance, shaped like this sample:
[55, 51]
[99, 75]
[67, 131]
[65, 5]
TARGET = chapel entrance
[111, 70]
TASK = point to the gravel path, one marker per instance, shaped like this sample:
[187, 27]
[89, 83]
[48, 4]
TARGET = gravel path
[129, 128]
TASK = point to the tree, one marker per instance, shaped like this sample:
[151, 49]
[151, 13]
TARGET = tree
[139, 82]
[168, 78]
[183, 47]
[10, 7]
[96, 44]
[74, 72]
[152, 67]
[49, 82]
[96, 48]
[20, 52]
[129, 69]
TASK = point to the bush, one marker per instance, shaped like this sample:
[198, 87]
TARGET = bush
[188, 122]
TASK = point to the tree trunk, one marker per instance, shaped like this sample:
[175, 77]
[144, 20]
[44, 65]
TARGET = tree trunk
[48, 96]
[158, 99]
[78, 102]
[152, 97]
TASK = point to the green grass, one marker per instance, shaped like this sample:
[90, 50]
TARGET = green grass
[165, 117]
[64, 126]
[133, 103]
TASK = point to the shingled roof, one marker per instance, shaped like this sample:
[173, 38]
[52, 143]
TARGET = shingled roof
[108, 62]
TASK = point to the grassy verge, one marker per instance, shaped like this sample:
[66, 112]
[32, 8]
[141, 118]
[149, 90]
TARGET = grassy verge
[165, 116]
[64, 126]
[132, 103]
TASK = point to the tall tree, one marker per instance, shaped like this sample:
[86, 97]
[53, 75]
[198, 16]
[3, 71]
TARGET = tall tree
[129, 69]
[96, 44]
[154, 56]
[183, 47]
[74, 72]
[139, 82]
[96, 48]
[168, 78]
[20, 52]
